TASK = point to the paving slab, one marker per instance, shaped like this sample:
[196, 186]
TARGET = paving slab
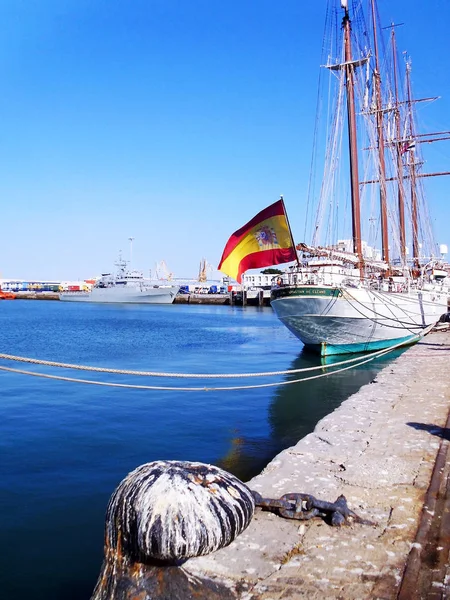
[378, 449]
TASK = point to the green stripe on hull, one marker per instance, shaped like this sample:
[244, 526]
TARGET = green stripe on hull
[325, 349]
[313, 291]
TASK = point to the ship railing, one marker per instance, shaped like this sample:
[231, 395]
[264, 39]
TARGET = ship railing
[299, 278]
[372, 282]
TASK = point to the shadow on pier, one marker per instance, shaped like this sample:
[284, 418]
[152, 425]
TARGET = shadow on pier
[442, 432]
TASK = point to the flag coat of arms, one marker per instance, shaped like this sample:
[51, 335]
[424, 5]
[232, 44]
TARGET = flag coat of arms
[264, 241]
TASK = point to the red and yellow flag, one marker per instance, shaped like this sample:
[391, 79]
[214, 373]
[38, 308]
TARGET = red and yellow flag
[264, 241]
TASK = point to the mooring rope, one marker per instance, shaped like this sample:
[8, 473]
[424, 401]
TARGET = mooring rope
[193, 389]
[353, 363]
[50, 363]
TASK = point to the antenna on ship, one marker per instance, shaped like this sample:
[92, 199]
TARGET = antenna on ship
[131, 249]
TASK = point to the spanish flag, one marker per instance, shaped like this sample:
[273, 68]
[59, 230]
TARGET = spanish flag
[264, 241]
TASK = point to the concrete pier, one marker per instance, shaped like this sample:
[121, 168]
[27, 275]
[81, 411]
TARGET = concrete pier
[385, 449]
[202, 299]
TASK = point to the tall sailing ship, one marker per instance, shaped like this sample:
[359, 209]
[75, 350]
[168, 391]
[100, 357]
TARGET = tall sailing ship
[344, 296]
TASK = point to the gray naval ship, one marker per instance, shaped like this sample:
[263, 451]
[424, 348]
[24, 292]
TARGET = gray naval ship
[125, 286]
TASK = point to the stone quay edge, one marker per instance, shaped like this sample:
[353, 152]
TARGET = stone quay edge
[379, 449]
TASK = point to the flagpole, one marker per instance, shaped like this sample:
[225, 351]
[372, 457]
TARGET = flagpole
[290, 230]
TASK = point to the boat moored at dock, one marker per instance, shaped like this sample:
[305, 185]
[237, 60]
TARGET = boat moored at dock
[344, 295]
[341, 319]
[125, 286]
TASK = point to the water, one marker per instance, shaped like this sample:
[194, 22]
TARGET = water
[65, 446]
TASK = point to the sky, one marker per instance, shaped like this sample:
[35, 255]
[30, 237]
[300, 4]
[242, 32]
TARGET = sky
[172, 122]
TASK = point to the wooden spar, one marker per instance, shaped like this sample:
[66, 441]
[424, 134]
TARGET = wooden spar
[445, 133]
[418, 176]
[412, 170]
[401, 190]
[290, 230]
[380, 142]
[354, 178]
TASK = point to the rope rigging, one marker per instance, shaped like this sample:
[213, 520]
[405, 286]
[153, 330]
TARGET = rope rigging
[378, 317]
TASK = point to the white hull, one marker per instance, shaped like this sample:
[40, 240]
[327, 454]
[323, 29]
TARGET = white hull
[339, 320]
[124, 295]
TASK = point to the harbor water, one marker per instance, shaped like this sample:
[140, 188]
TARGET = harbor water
[66, 445]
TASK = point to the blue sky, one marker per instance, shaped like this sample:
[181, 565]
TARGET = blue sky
[171, 121]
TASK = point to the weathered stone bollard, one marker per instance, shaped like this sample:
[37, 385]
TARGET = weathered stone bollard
[160, 515]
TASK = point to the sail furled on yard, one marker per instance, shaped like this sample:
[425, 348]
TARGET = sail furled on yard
[264, 241]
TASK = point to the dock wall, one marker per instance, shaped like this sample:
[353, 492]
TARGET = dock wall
[379, 449]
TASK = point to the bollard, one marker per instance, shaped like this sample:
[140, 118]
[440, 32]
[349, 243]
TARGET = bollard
[160, 515]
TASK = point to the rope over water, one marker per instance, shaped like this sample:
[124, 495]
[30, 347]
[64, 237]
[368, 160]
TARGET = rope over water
[352, 362]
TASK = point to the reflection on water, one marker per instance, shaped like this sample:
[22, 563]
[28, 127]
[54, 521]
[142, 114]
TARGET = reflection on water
[296, 408]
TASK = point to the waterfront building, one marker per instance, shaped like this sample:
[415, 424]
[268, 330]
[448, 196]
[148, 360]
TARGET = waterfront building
[42, 285]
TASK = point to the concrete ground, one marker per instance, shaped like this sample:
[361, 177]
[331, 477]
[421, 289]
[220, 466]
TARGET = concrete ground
[385, 449]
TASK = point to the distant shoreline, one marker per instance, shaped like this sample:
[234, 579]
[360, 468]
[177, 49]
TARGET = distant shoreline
[180, 299]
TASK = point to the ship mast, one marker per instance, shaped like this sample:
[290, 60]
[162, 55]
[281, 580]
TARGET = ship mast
[380, 141]
[401, 190]
[351, 112]
[412, 173]
[405, 144]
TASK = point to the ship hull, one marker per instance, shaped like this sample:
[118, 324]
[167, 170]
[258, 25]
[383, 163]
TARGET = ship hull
[334, 320]
[154, 295]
